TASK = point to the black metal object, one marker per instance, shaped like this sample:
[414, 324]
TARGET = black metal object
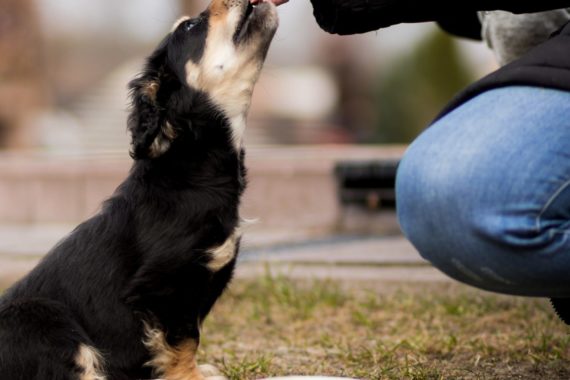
[369, 184]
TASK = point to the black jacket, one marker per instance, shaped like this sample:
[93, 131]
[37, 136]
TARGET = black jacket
[547, 65]
[361, 16]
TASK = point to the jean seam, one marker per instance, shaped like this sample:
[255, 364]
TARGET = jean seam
[563, 187]
[564, 234]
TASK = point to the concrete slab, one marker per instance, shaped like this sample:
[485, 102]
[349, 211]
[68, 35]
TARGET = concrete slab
[340, 250]
[31, 240]
[12, 269]
[296, 255]
[377, 274]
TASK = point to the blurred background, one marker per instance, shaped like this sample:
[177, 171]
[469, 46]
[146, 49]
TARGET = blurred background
[330, 118]
[65, 65]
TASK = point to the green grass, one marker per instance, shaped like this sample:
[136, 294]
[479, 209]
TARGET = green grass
[275, 326]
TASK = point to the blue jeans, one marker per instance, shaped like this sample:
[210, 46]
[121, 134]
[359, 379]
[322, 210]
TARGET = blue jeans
[484, 193]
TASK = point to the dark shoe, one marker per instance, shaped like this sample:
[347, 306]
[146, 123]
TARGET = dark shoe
[562, 308]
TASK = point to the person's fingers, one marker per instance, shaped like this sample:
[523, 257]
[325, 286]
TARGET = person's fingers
[276, 2]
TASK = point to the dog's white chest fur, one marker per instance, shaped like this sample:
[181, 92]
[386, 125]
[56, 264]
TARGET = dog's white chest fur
[225, 253]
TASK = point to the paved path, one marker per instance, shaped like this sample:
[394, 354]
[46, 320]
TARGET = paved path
[339, 250]
[349, 258]
[354, 258]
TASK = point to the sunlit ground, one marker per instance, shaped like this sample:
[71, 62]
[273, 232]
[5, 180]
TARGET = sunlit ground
[276, 326]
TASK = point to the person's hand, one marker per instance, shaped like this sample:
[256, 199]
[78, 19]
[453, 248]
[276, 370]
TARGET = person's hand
[276, 2]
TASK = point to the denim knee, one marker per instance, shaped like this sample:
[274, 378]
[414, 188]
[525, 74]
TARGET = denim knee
[432, 206]
[440, 213]
[487, 206]
[444, 208]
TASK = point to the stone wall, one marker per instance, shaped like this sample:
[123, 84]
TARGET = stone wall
[289, 188]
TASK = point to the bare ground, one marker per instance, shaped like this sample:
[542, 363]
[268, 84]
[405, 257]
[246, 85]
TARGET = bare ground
[277, 326]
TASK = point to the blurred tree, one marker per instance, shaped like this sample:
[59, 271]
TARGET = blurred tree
[411, 94]
[22, 75]
[355, 112]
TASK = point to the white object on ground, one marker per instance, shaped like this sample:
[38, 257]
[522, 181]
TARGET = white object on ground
[308, 378]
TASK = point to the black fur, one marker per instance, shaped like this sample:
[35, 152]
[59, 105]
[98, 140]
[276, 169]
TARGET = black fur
[143, 257]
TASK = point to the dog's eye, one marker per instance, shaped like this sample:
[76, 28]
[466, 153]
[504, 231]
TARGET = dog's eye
[188, 25]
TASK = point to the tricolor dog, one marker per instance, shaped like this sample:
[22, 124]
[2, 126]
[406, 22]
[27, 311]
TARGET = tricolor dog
[125, 294]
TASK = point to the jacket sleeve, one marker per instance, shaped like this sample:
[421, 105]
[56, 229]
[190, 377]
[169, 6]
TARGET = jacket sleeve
[463, 24]
[361, 16]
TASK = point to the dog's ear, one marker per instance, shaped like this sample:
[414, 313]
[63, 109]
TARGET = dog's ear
[150, 131]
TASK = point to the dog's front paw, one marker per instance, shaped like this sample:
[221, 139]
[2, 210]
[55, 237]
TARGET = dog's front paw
[211, 373]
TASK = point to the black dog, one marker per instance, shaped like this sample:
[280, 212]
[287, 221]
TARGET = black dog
[123, 297]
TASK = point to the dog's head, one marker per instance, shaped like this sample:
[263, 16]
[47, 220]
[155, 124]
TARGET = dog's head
[210, 62]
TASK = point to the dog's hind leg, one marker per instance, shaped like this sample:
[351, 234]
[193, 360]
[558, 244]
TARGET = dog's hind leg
[90, 363]
[40, 340]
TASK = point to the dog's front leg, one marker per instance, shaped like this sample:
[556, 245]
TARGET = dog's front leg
[177, 361]
[172, 362]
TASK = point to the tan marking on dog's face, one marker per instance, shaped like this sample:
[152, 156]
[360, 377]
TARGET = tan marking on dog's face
[91, 363]
[172, 363]
[222, 255]
[178, 22]
[228, 71]
[220, 8]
